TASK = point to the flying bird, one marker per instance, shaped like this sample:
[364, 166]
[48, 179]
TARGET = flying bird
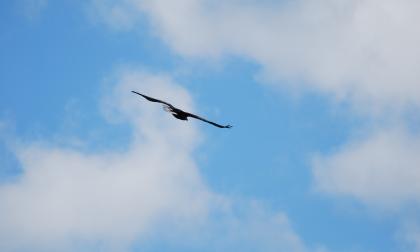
[178, 113]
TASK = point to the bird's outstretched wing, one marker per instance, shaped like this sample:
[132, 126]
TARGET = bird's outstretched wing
[180, 112]
[153, 99]
[207, 121]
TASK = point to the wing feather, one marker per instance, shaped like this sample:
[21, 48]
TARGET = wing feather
[153, 99]
[207, 121]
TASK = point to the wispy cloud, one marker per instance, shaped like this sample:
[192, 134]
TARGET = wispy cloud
[32, 8]
[119, 15]
[381, 170]
[409, 234]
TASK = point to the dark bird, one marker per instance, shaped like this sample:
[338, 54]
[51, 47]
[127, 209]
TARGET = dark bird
[178, 113]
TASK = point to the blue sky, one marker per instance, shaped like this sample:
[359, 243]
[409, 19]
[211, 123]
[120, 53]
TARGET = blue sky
[323, 155]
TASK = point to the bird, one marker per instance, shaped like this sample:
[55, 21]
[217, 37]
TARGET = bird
[178, 113]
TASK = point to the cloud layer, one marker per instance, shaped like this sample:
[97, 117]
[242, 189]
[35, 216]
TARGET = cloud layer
[364, 52]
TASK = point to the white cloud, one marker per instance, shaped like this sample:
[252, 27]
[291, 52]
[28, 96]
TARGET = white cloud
[382, 170]
[366, 51]
[69, 199]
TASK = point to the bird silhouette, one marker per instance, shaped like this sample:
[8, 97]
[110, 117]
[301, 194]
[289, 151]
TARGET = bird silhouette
[178, 113]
